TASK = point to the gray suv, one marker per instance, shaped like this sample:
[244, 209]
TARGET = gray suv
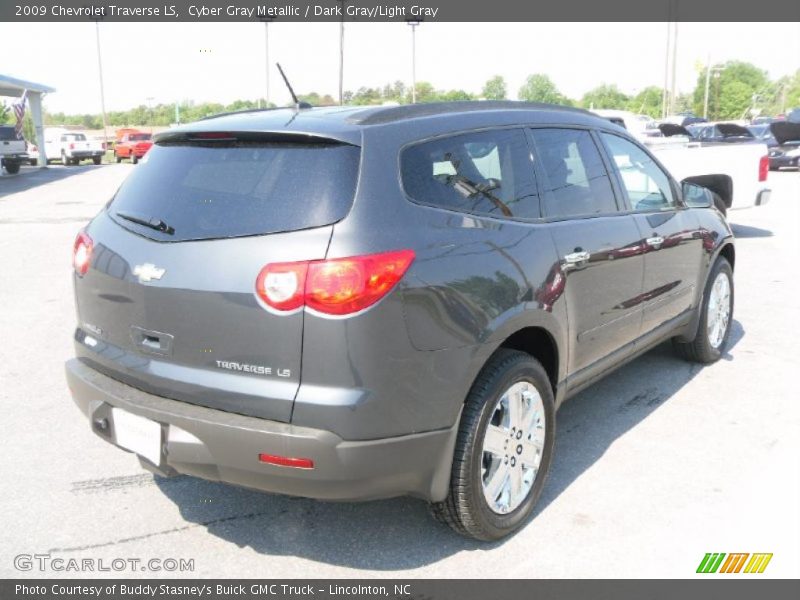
[364, 302]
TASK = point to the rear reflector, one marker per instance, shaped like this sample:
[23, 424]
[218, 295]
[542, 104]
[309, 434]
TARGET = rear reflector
[286, 461]
[338, 287]
[82, 253]
[763, 168]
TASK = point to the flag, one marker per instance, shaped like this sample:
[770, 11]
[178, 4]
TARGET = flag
[19, 112]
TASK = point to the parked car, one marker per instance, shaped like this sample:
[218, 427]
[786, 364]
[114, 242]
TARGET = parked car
[640, 126]
[720, 133]
[786, 151]
[12, 150]
[349, 304]
[132, 145]
[71, 147]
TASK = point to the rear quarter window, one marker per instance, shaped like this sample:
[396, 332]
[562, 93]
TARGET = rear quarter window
[223, 190]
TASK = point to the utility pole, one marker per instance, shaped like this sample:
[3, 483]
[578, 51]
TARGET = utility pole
[413, 23]
[341, 53]
[102, 91]
[708, 84]
[266, 64]
[665, 94]
[674, 66]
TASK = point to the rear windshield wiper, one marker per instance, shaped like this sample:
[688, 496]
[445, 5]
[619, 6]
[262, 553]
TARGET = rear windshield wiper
[152, 223]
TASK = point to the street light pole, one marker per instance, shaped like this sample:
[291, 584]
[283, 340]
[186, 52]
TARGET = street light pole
[413, 23]
[102, 91]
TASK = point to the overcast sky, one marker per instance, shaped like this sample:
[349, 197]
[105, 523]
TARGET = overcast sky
[222, 62]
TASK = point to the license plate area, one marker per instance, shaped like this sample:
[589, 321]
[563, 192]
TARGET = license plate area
[137, 434]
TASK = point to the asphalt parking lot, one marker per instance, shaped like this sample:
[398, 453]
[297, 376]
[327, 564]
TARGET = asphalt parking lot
[655, 466]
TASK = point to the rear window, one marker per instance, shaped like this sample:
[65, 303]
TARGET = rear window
[7, 134]
[139, 137]
[223, 190]
[73, 137]
[486, 173]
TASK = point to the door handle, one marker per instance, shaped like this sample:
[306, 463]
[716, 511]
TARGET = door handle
[575, 258]
[655, 241]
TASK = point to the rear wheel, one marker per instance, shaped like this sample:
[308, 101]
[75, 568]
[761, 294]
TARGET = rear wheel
[503, 451]
[716, 317]
[117, 157]
[97, 159]
[34, 162]
[12, 168]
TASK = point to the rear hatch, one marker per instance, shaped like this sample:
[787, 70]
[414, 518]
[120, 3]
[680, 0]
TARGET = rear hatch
[168, 304]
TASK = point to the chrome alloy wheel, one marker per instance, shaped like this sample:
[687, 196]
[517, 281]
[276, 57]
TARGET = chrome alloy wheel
[512, 447]
[719, 310]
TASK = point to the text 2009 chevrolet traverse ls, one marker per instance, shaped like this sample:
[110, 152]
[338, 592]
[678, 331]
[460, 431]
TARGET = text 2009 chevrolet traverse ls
[353, 303]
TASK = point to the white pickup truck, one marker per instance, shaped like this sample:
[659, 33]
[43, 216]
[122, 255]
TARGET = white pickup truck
[12, 150]
[71, 146]
[735, 173]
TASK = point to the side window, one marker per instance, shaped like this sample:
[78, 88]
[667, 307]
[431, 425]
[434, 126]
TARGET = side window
[488, 172]
[576, 179]
[647, 185]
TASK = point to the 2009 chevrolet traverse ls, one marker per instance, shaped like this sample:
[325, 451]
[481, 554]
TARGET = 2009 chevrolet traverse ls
[354, 303]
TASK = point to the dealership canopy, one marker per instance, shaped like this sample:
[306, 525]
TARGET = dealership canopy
[16, 88]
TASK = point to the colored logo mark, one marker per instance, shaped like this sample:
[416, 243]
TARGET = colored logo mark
[719, 562]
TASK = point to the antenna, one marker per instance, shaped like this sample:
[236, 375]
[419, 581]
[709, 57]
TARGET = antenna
[297, 104]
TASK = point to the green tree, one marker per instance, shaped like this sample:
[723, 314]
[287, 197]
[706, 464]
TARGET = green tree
[605, 96]
[5, 113]
[647, 102]
[495, 88]
[731, 90]
[540, 88]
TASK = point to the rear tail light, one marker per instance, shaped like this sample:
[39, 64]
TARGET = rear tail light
[82, 253]
[763, 168]
[337, 287]
[286, 461]
[72, 146]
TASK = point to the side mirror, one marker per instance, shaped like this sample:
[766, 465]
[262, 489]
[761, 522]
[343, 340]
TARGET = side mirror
[696, 196]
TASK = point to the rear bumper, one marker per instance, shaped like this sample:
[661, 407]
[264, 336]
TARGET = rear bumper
[85, 153]
[222, 446]
[763, 197]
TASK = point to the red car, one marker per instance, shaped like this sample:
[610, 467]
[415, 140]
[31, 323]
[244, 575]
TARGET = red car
[133, 145]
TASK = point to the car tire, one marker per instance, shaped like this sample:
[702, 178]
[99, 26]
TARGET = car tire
[12, 168]
[64, 160]
[466, 508]
[134, 158]
[709, 343]
[117, 157]
[34, 162]
[97, 159]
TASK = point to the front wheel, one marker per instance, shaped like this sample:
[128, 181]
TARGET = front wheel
[134, 158]
[118, 158]
[716, 316]
[503, 450]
